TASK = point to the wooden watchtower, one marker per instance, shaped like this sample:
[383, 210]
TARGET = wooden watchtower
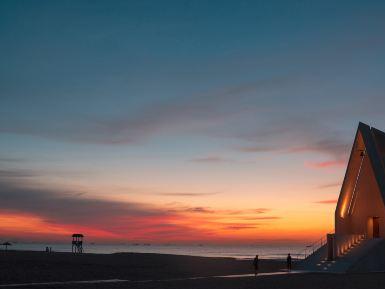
[77, 243]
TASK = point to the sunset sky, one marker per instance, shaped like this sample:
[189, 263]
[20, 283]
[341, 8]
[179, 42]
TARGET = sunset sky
[221, 122]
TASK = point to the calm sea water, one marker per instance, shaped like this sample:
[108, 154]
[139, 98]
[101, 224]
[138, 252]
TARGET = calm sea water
[240, 252]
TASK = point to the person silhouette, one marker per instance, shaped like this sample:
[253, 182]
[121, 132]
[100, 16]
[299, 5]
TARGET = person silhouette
[255, 264]
[288, 262]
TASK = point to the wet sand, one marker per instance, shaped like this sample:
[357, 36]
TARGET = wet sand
[290, 281]
[28, 266]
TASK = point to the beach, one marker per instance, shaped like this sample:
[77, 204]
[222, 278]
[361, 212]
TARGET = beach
[290, 281]
[32, 266]
[135, 270]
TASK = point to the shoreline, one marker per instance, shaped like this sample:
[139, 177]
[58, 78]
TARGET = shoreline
[262, 257]
[246, 252]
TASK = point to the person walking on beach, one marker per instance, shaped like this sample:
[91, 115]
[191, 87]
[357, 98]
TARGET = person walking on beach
[288, 262]
[255, 264]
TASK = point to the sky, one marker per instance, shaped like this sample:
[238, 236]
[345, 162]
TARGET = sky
[218, 122]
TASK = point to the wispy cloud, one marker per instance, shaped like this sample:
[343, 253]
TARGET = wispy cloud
[177, 207]
[16, 173]
[179, 114]
[71, 210]
[299, 135]
[258, 149]
[329, 145]
[260, 210]
[261, 218]
[329, 185]
[12, 160]
[325, 164]
[121, 220]
[240, 227]
[248, 211]
[327, 202]
[188, 194]
[211, 159]
[189, 209]
[62, 206]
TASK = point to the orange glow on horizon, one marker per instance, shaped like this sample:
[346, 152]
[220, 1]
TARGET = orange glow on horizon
[180, 228]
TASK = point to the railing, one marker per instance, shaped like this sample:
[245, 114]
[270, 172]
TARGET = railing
[311, 248]
[341, 244]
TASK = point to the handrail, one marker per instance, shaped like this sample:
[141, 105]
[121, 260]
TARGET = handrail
[311, 248]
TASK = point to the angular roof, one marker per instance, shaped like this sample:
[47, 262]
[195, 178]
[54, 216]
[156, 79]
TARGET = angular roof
[369, 142]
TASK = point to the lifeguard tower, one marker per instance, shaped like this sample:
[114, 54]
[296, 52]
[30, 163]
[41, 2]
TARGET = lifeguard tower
[77, 243]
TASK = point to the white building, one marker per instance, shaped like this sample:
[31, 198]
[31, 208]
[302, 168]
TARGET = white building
[358, 243]
[361, 207]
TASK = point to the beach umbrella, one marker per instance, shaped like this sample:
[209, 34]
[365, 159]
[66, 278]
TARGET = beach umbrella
[6, 244]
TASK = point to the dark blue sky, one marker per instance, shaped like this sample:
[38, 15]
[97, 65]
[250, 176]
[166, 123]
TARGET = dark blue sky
[79, 61]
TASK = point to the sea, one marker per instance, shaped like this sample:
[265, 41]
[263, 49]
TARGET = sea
[268, 251]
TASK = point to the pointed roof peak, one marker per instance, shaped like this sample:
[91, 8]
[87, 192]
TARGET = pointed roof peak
[369, 142]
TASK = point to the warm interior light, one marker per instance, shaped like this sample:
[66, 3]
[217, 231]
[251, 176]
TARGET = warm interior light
[343, 208]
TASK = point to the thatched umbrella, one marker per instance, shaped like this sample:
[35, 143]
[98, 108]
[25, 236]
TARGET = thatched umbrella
[6, 244]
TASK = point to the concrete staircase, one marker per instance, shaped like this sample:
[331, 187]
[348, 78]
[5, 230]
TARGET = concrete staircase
[350, 260]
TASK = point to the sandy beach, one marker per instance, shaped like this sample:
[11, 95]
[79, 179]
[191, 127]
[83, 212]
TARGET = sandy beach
[135, 270]
[29, 266]
[290, 281]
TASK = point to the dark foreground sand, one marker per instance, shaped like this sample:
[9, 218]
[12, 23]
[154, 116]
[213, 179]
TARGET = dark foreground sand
[165, 271]
[27, 266]
[292, 281]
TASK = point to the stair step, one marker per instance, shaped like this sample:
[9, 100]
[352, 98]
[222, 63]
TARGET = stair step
[318, 261]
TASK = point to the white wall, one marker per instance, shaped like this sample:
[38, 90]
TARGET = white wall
[368, 202]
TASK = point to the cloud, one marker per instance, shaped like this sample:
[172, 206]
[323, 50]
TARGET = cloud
[179, 114]
[63, 212]
[241, 112]
[59, 206]
[260, 210]
[211, 159]
[97, 218]
[200, 210]
[188, 194]
[299, 135]
[222, 212]
[246, 211]
[261, 218]
[258, 149]
[240, 227]
[329, 145]
[329, 185]
[11, 160]
[16, 173]
[325, 164]
[187, 209]
[327, 202]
